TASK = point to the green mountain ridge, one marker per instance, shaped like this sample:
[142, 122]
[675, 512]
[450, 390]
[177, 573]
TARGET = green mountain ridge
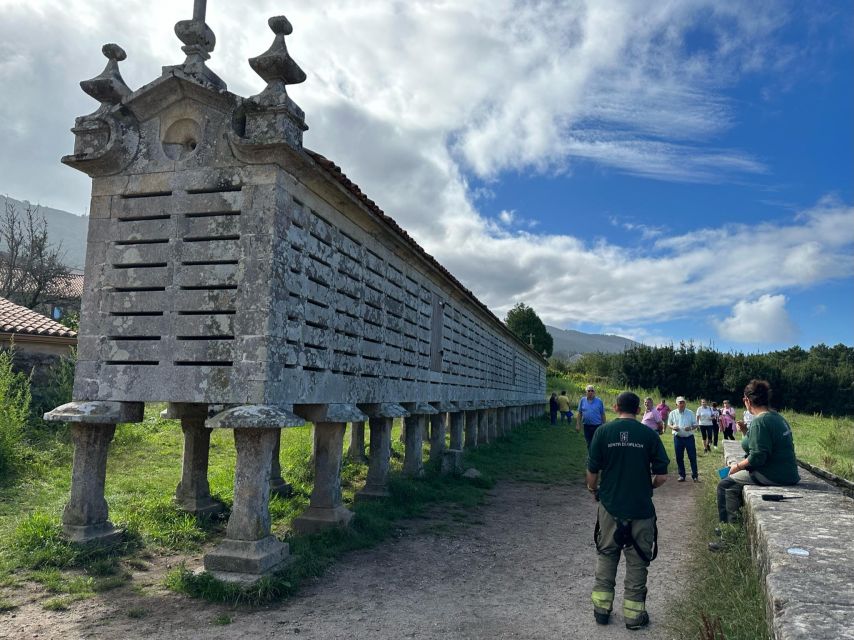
[568, 342]
[65, 230]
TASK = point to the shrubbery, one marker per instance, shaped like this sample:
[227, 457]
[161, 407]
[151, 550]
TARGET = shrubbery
[820, 380]
[14, 412]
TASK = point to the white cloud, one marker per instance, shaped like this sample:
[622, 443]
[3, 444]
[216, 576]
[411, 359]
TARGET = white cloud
[412, 98]
[764, 320]
[507, 217]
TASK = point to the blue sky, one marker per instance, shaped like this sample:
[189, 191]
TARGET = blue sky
[665, 171]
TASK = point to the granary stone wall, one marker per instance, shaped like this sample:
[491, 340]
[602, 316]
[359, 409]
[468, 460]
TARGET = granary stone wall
[224, 272]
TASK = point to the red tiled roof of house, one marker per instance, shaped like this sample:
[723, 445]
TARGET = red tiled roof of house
[70, 287]
[336, 172]
[17, 319]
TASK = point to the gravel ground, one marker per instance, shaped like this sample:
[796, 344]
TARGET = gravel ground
[519, 567]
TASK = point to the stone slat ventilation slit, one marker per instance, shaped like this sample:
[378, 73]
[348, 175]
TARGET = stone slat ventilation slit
[209, 260]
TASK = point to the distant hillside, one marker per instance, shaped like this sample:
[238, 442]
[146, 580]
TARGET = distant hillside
[568, 342]
[62, 227]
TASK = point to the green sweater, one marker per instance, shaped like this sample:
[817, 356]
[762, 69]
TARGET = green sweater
[772, 451]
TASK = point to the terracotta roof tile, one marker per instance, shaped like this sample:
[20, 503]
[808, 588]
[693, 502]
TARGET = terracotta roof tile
[336, 172]
[17, 319]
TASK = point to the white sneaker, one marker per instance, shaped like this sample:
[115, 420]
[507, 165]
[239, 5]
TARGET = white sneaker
[716, 447]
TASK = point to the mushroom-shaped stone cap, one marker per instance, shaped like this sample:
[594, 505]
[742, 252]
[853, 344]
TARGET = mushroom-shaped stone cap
[112, 51]
[275, 65]
[281, 25]
[108, 87]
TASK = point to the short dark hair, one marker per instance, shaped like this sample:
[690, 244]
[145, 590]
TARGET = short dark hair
[758, 392]
[628, 402]
[562, 391]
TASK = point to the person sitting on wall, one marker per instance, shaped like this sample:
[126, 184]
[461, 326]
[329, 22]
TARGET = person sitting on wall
[770, 459]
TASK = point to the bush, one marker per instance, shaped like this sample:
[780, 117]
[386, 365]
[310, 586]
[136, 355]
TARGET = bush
[14, 412]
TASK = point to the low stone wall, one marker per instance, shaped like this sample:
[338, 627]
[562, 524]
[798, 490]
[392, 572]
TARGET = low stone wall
[804, 549]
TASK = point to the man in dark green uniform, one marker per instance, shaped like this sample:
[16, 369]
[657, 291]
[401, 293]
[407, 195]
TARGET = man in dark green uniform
[632, 462]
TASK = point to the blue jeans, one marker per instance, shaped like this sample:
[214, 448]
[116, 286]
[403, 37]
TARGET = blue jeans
[681, 445]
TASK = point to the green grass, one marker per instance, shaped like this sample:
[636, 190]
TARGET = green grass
[144, 467]
[824, 442]
[723, 598]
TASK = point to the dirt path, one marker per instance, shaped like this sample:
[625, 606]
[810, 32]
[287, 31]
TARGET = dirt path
[519, 567]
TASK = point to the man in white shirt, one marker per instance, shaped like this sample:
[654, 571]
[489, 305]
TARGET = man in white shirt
[681, 421]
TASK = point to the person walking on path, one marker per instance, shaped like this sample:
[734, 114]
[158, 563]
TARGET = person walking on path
[663, 409]
[728, 421]
[553, 408]
[624, 452]
[770, 460]
[591, 413]
[563, 405]
[651, 417]
[705, 418]
[681, 421]
[716, 424]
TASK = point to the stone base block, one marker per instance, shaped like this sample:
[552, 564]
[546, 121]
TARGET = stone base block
[452, 462]
[278, 487]
[371, 493]
[103, 534]
[204, 508]
[317, 519]
[242, 560]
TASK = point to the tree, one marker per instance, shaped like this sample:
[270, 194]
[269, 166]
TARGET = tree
[32, 271]
[526, 324]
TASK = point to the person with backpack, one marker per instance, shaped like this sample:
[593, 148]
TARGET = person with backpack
[626, 461]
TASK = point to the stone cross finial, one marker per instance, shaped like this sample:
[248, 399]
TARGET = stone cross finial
[276, 66]
[199, 40]
[108, 87]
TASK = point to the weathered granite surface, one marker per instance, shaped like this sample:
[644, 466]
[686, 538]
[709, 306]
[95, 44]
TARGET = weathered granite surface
[808, 596]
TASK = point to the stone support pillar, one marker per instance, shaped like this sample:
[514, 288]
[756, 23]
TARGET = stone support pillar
[492, 416]
[249, 549]
[356, 450]
[471, 428]
[193, 493]
[458, 419]
[93, 425]
[326, 508]
[452, 458]
[381, 419]
[413, 460]
[278, 485]
[439, 428]
[500, 416]
[482, 426]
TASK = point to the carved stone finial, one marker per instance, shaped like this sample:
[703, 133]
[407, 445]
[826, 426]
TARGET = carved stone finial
[199, 40]
[276, 66]
[108, 87]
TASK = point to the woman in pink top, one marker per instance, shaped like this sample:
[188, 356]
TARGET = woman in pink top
[651, 417]
[728, 421]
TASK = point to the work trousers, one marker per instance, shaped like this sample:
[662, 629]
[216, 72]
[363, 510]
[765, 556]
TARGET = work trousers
[681, 445]
[730, 493]
[607, 559]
